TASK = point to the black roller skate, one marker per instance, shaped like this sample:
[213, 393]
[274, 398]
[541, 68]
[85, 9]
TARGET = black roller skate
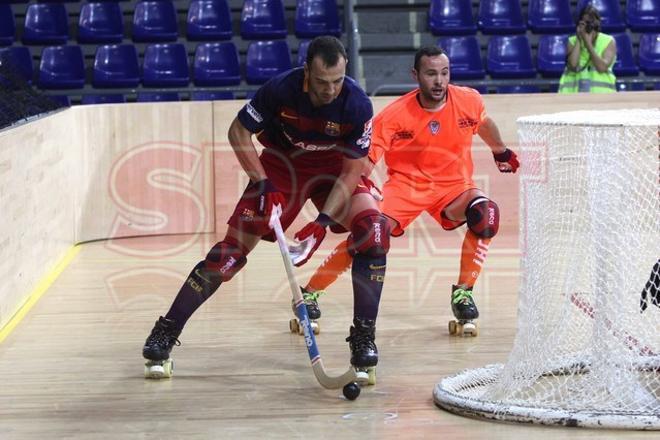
[157, 349]
[364, 353]
[465, 311]
[313, 312]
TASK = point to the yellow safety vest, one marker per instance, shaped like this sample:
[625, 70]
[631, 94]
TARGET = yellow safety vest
[587, 78]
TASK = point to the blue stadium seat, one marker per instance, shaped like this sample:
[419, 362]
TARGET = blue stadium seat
[550, 16]
[643, 15]
[551, 55]
[116, 65]
[216, 64]
[464, 56]
[61, 100]
[451, 17]
[622, 86]
[302, 52]
[519, 89]
[20, 59]
[656, 86]
[509, 56]
[62, 67]
[625, 60]
[100, 23]
[266, 59]
[317, 17]
[46, 23]
[154, 21]
[7, 25]
[501, 17]
[165, 65]
[158, 96]
[263, 20]
[610, 13]
[209, 20]
[211, 96]
[103, 99]
[649, 53]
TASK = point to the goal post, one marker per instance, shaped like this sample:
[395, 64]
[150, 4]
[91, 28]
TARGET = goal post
[587, 348]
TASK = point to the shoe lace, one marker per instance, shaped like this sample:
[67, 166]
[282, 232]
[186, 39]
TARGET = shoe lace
[163, 336]
[461, 295]
[313, 296]
[362, 338]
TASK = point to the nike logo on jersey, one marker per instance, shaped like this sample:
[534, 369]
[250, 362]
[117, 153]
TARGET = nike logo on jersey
[376, 267]
[288, 116]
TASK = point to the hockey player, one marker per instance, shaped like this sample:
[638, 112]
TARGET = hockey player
[425, 138]
[315, 125]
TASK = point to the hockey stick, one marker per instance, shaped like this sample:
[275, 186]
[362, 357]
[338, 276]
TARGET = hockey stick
[629, 340]
[301, 311]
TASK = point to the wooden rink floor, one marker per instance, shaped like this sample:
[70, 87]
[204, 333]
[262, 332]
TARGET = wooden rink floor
[73, 367]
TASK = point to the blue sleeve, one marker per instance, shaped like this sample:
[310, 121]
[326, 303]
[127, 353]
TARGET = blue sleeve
[358, 141]
[261, 109]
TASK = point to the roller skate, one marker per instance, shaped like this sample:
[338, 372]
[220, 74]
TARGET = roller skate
[465, 311]
[157, 349]
[364, 353]
[313, 312]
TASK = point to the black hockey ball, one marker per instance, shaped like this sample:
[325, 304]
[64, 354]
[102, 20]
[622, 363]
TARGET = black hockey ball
[351, 391]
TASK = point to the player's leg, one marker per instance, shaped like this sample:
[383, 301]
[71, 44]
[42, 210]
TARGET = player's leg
[368, 244]
[482, 217]
[221, 263]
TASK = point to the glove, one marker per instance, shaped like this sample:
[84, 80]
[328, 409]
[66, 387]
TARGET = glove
[270, 199]
[373, 189]
[507, 162]
[651, 292]
[309, 238]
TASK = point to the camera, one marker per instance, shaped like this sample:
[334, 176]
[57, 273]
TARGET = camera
[589, 27]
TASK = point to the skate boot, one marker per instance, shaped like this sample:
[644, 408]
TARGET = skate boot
[313, 312]
[465, 311]
[364, 353]
[157, 349]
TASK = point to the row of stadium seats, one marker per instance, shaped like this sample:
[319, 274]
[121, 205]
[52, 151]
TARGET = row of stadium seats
[217, 64]
[451, 17]
[156, 21]
[164, 64]
[510, 56]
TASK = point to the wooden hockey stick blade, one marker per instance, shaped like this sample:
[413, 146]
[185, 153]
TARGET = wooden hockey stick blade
[326, 381]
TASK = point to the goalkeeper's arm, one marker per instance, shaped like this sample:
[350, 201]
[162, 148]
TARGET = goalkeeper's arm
[651, 292]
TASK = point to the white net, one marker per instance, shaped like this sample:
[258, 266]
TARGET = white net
[587, 350]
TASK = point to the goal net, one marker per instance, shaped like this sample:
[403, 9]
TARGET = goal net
[587, 349]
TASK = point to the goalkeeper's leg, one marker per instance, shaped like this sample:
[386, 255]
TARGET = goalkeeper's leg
[651, 292]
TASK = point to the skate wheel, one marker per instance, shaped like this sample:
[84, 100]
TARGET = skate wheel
[452, 327]
[371, 376]
[159, 370]
[459, 329]
[316, 328]
[362, 377]
[293, 326]
[470, 329]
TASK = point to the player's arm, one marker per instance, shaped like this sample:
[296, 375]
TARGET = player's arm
[505, 159]
[240, 139]
[338, 199]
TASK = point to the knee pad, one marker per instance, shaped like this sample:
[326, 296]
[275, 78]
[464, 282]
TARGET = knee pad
[483, 217]
[370, 234]
[225, 259]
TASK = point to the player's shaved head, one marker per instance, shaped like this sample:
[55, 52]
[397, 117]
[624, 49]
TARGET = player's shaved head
[329, 49]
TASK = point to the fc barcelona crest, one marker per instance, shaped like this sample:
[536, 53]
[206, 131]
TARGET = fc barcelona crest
[434, 126]
[332, 129]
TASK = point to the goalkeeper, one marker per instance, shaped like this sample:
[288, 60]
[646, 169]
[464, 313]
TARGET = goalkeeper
[425, 138]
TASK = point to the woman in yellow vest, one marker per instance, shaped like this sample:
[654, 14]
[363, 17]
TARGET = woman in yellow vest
[591, 55]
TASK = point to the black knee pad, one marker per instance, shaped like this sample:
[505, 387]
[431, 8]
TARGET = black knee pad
[483, 217]
[370, 234]
[225, 259]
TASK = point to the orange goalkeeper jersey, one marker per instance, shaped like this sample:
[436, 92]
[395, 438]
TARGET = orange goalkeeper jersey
[429, 147]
